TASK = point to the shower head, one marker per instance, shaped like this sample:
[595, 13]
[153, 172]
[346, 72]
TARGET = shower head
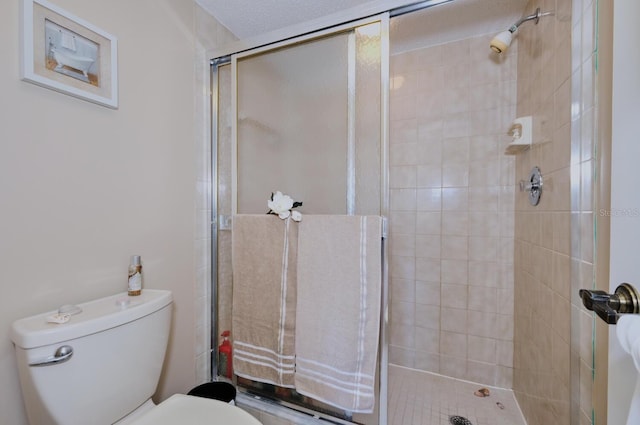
[502, 41]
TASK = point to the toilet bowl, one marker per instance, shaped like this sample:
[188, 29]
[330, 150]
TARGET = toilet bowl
[186, 409]
[101, 365]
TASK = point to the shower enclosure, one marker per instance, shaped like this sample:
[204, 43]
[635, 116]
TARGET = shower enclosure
[407, 115]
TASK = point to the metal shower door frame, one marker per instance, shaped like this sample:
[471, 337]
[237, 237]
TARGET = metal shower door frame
[220, 222]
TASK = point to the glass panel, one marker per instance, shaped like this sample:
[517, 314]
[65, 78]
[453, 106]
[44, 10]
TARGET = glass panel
[305, 117]
[368, 106]
[292, 126]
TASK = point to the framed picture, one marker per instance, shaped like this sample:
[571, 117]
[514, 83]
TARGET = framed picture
[65, 53]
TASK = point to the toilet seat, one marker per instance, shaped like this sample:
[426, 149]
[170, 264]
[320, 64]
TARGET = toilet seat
[191, 410]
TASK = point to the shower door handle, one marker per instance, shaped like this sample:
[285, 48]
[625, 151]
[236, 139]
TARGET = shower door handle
[609, 307]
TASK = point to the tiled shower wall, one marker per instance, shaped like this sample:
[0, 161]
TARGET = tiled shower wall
[554, 241]
[584, 160]
[543, 232]
[451, 234]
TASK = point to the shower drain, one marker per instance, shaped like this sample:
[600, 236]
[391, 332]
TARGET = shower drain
[459, 420]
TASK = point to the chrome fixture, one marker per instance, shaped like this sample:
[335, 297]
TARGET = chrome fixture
[609, 307]
[61, 355]
[502, 41]
[533, 186]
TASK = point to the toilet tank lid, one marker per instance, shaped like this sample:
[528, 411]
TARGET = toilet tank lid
[96, 316]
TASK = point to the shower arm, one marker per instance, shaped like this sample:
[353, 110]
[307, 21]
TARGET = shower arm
[536, 16]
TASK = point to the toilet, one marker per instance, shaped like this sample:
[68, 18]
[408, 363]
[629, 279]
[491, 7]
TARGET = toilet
[102, 364]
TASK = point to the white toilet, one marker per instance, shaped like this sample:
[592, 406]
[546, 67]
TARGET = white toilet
[103, 365]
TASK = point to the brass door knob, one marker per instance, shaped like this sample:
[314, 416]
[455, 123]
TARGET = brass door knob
[609, 306]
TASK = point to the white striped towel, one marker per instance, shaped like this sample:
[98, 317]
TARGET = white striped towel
[264, 297]
[338, 309]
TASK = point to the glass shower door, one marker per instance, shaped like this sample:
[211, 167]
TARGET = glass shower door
[308, 124]
[308, 118]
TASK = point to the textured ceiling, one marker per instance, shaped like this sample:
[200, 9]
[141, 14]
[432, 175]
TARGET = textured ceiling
[248, 18]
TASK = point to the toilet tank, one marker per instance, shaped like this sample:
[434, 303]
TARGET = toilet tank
[118, 344]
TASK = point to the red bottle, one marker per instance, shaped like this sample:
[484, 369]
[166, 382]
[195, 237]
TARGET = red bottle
[225, 362]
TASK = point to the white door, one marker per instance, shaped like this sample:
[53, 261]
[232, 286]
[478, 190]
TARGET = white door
[625, 193]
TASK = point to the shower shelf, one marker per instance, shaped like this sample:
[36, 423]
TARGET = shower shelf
[521, 132]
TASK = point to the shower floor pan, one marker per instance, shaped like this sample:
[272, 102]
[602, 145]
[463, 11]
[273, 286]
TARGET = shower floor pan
[423, 398]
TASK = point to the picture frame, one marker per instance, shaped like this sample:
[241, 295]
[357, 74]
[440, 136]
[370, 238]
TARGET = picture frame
[67, 54]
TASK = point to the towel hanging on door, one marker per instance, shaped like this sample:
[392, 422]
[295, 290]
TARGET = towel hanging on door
[264, 296]
[338, 309]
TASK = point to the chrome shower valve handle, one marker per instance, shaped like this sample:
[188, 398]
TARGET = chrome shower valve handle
[533, 186]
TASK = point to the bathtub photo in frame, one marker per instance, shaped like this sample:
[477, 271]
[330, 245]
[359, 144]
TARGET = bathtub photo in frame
[65, 53]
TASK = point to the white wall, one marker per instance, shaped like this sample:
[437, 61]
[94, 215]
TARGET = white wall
[83, 187]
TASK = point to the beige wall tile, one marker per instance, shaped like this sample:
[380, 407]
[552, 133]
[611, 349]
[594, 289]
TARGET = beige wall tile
[427, 316]
[451, 152]
[428, 269]
[481, 349]
[427, 361]
[402, 267]
[429, 176]
[403, 313]
[428, 293]
[453, 344]
[427, 246]
[454, 247]
[454, 271]
[455, 199]
[455, 223]
[429, 199]
[481, 372]
[454, 297]
[402, 335]
[402, 290]
[427, 223]
[453, 319]
[403, 131]
[427, 340]
[484, 299]
[484, 274]
[402, 245]
[402, 176]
